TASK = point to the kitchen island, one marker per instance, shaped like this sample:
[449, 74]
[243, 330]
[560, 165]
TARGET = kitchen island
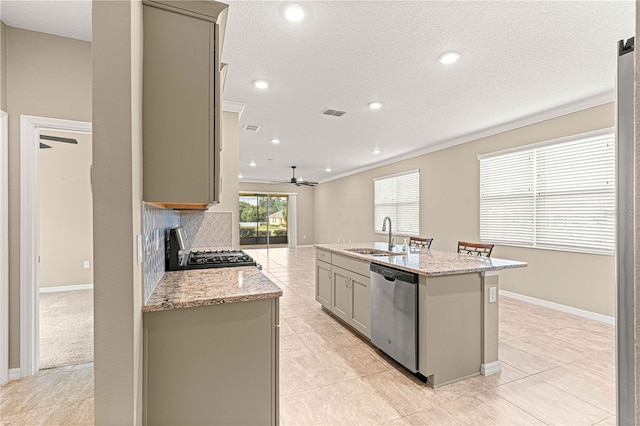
[211, 348]
[457, 302]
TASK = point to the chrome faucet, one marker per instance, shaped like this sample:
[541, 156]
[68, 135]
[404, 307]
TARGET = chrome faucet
[384, 228]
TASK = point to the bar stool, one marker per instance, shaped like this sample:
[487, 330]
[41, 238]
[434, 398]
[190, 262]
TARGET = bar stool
[477, 249]
[423, 243]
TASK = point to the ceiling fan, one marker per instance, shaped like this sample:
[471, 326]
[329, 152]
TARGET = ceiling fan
[55, 139]
[297, 182]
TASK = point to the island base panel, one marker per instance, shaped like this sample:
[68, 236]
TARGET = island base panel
[450, 327]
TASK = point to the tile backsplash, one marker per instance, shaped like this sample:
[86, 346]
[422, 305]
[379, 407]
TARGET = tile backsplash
[207, 229]
[202, 229]
[155, 222]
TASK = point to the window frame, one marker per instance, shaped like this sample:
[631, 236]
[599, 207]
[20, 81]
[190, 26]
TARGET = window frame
[605, 132]
[377, 227]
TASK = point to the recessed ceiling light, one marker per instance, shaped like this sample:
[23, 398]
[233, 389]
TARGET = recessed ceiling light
[293, 12]
[328, 169]
[376, 151]
[261, 84]
[275, 141]
[252, 164]
[375, 105]
[240, 176]
[449, 57]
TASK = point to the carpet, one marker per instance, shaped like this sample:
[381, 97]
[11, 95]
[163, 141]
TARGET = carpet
[66, 328]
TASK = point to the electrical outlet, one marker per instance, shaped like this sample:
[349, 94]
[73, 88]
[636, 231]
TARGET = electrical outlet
[492, 295]
[85, 264]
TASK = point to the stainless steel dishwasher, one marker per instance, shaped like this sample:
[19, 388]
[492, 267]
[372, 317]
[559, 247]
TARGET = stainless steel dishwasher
[394, 314]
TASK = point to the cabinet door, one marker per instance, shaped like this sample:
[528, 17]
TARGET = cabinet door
[178, 146]
[341, 292]
[323, 283]
[360, 305]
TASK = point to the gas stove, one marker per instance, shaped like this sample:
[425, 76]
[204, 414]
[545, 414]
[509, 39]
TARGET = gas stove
[178, 258]
[200, 259]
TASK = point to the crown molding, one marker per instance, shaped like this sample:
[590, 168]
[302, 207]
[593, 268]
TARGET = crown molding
[231, 106]
[569, 108]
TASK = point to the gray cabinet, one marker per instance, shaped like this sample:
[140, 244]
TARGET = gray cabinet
[360, 304]
[323, 284]
[182, 102]
[212, 365]
[346, 291]
[341, 292]
[351, 299]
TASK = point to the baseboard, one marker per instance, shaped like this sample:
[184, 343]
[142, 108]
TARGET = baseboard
[491, 368]
[558, 307]
[58, 288]
[15, 373]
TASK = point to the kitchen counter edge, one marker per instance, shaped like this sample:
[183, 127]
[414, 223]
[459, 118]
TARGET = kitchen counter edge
[208, 287]
[420, 261]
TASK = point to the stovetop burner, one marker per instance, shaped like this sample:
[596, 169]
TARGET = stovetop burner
[218, 259]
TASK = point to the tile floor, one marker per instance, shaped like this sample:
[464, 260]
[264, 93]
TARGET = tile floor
[557, 369]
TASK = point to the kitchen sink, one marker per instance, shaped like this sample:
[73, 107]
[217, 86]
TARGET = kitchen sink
[373, 252]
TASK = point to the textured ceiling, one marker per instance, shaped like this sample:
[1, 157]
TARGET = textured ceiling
[519, 58]
[70, 18]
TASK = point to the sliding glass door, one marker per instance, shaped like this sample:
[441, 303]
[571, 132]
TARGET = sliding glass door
[263, 219]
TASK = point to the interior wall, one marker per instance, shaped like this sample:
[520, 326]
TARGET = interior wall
[3, 67]
[117, 207]
[230, 167]
[449, 212]
[59, 89]
[66, 216]
[305, 206]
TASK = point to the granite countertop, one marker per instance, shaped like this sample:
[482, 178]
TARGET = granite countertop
[426, 262]
[203, 287]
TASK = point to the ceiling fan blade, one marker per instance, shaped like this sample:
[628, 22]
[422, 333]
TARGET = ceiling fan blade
[294, 180]
[58, 139]
[44, 146]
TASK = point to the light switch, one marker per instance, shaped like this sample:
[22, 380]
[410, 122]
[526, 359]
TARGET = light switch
[139, 244]
[85, 264]
[492, 295]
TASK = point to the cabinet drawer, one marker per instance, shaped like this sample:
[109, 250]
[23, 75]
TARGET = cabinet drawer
[358, 266]
[323, 255]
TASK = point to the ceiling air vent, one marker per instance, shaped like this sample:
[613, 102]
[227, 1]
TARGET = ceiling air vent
[333, 112]
[251, 127]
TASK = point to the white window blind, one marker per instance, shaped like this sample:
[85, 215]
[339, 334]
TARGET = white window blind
[398, 196]
[557, 195]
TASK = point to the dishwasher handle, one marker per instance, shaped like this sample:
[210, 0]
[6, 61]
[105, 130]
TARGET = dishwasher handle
[391, 274]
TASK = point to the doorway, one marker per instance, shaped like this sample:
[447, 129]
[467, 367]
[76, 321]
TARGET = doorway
[264, 220]
[66, 249]
[31, 128]
[4, 247]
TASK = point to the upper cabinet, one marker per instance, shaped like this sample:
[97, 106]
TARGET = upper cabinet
[182, 102]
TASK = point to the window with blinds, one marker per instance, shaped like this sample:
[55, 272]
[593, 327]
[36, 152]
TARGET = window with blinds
[557, 195]
[398, 196]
